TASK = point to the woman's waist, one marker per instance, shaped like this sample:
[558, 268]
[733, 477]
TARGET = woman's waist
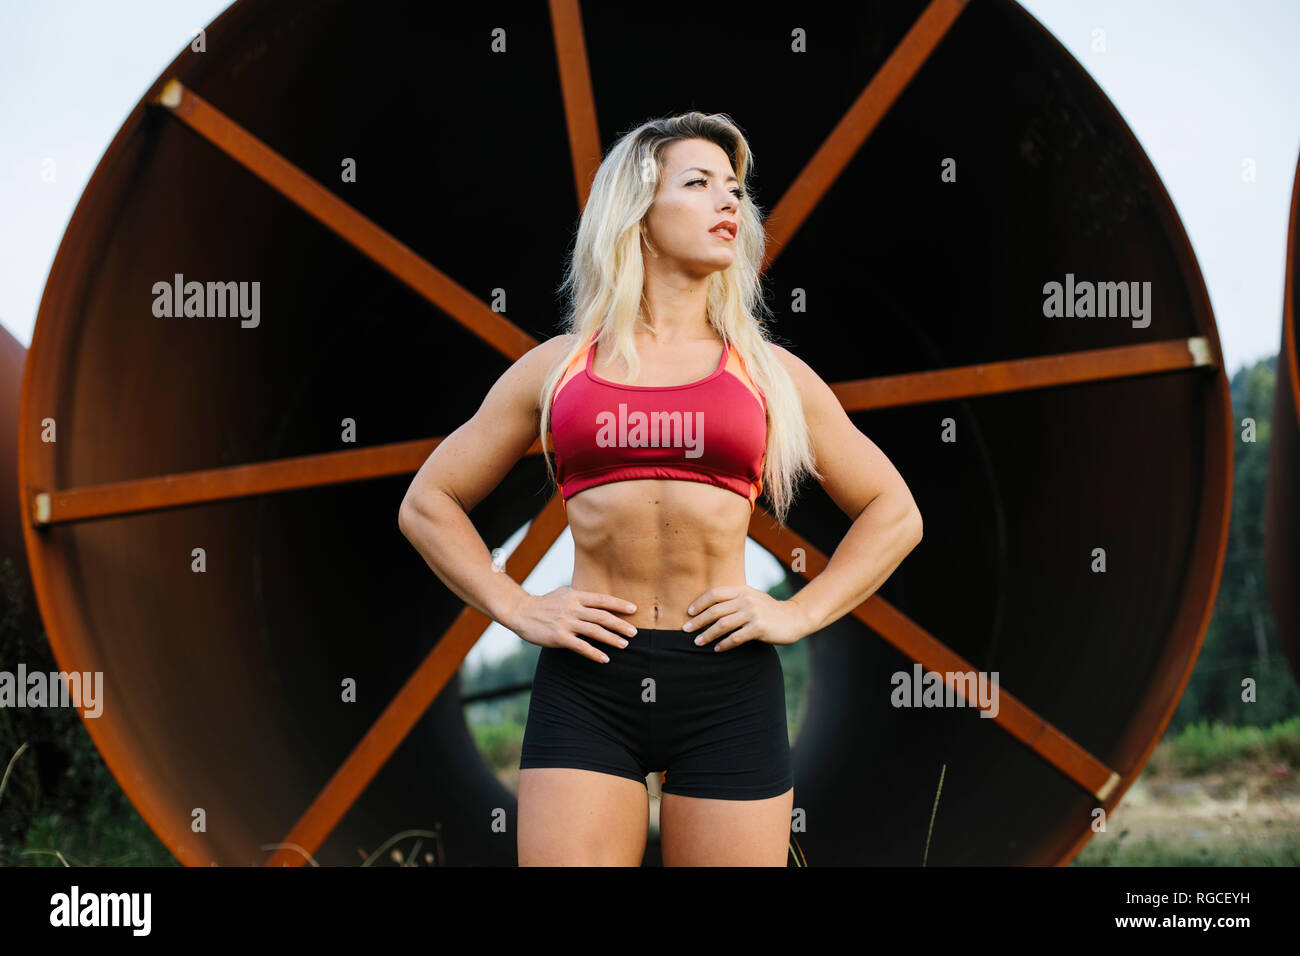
[654, 644]
[661, 600]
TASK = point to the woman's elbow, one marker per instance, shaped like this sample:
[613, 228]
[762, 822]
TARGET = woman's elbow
[420, 507]
[911, 516]
[407, 515]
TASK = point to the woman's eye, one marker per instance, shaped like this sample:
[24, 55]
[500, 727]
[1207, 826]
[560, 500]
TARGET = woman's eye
[737, 192]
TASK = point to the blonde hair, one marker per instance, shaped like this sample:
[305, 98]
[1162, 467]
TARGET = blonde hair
[605, 279]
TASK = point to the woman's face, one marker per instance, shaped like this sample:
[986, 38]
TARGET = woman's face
[698, 190]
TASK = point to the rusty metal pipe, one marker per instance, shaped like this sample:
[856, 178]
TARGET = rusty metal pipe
[12, 358]
[223, 686]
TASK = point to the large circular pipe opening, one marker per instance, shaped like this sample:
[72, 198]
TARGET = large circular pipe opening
[1074, 486]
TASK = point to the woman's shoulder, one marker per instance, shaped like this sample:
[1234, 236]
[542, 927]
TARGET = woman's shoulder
[805, 379]
[531, 368]
[554, 349]
[537, 363]
[550, 350]
[556, 345]
[792, 363]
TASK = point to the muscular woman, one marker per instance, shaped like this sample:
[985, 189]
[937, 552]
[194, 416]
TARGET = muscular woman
[669, 410]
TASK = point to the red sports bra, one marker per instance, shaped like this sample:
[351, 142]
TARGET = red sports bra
[713, 430]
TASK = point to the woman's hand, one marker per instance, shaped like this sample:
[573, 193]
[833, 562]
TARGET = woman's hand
[556, 620]
[749, 614]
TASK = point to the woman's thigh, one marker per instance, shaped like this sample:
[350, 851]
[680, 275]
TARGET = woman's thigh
[700, 831]
[570, 817]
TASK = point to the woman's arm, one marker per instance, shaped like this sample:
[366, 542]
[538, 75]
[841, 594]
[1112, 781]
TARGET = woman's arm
[868, 488]
[462, 471]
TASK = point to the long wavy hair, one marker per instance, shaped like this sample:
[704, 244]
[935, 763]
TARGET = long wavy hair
[605, 282]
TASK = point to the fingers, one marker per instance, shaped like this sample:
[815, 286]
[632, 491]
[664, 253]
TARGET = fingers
[737, 637]
[722, 622]
[586, 650]
[594, 616]
[713, 595]
[607, 601]
[595, 622]
[608, 622]
[592, 630]
[702, 619]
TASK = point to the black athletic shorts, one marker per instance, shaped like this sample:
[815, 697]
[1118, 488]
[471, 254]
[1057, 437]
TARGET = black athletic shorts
[713, 720]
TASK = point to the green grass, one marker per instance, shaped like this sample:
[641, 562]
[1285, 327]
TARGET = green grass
[1238, 755]
[105, 836]
[86, 820]
[1203, 747]
[1147, 851]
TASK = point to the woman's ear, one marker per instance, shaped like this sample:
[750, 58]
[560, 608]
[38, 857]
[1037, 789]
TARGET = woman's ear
[645, 237]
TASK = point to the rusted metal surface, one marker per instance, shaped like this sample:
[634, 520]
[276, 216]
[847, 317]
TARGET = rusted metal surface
[916, 644]
[400, 716]
[12, 357]
[1282, 504]
[310, 471]
[237, 481]
[222, 686]
[993, 378]
[331, 211]
[579, 97]
[835, 153]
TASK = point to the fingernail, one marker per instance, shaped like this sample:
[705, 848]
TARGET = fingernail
[700, 639]
[604, 659]
[691, 609]
[622, 643]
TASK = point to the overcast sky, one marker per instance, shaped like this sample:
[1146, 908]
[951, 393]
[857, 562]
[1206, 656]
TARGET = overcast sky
[1204, 84]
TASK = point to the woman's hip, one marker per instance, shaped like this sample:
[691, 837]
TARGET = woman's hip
[668, 668]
